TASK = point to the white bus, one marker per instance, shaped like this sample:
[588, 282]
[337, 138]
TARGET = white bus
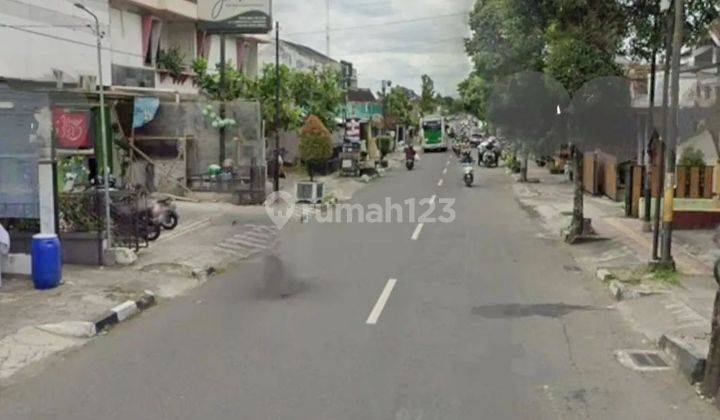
[432, 132]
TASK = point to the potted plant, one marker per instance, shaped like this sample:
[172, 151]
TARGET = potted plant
[384, 147]
[315, 149]
[171, 60]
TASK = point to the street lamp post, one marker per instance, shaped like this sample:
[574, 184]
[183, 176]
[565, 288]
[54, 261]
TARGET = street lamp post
[103, 133]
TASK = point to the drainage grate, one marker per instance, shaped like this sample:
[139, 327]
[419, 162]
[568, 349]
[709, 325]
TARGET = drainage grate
[646, 359]
[572, 268]
[643, 360]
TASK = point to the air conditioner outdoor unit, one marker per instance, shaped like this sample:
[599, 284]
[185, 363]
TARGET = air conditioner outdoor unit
[309, 192]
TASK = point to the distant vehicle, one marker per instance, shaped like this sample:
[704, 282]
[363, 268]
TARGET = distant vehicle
[476, 139]
[432, 130]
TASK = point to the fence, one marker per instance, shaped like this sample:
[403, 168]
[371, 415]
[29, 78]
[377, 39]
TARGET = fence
[691, 182]
[601, 176]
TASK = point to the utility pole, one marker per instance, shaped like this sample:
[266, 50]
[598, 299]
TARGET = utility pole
[327, 28]
[385, 85]
[276, 166]
[103, 125]
[669, 195]
[648, 158]
[222, 98]
[663, 145]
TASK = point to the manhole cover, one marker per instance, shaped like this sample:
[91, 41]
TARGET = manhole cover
[571, 268]
[642, 360]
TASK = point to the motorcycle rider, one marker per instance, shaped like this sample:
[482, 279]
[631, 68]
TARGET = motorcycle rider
[410, 152]
[466, 154]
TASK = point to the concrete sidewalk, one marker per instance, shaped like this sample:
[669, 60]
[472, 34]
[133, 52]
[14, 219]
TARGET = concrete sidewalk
[209, 237]
[671, 311]
[180, 260]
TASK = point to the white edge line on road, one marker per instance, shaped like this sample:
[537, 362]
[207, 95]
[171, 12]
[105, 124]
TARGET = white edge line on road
[189, 228]
[440, 182]
[444, 171]
[416, 233]
[380, 304]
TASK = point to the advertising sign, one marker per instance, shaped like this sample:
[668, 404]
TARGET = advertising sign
[235, 16]
[72, 128]
[352, 130]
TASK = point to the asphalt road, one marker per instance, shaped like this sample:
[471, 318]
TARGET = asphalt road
[474, 319]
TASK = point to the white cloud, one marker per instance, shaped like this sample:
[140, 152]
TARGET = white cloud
[432, 42]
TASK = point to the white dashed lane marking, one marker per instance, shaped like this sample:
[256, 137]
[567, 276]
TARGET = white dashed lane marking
[380, 304]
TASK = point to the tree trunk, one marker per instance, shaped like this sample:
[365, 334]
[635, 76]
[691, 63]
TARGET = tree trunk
[711, 381]
[578, 217]
[310, 171]
[524, 166]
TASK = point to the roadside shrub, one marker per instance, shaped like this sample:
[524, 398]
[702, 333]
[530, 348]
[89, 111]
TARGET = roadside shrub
[384, 146]
[692, 157]
[315, 144]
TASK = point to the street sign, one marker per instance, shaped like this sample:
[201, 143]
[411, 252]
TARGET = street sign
[235, 16]
[352, 129]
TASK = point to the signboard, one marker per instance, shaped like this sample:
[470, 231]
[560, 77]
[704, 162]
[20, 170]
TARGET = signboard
[352, 130]
[72, 128]
[235, 16]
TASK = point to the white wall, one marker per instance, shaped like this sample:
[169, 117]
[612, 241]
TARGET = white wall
[181, 35]
[290, 57]
[38, 43]
[214, 56]
[126, 38]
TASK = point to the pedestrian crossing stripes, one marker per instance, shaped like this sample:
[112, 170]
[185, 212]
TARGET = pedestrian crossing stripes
[254, 239]
[304, 212]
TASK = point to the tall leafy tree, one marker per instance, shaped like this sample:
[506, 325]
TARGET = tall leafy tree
[427, 96]
[474, 92]
[399, 107]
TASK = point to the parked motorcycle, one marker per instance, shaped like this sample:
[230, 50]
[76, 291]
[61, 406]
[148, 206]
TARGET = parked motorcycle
[148, 228]
[164, 212]
[489, 153]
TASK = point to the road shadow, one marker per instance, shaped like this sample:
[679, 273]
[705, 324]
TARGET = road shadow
[517, 310]
[278, 281]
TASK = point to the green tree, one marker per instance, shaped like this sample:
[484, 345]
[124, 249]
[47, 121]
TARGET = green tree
[474, 92]
[399, 107]
[508, 36]
[263, 89]
[236, 84]
[574, 62]
[315, 144]
[319, 93]
[427, 96]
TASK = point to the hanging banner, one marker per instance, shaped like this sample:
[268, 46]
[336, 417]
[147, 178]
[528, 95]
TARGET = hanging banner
[72, 128]
[235, 16]
[144, 111]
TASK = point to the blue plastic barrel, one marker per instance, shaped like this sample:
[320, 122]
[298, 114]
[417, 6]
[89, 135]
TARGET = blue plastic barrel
[46, 261]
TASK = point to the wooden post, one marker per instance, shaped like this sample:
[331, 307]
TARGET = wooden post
[681, 182]
[707, 191]
[695, 182]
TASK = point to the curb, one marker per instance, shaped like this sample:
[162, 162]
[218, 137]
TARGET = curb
[123, 311]
[687, 361]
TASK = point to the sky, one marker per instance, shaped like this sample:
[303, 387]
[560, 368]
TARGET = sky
[396, 40]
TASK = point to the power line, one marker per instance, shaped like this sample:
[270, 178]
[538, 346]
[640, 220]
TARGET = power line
[68, 40]
[376, 25]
